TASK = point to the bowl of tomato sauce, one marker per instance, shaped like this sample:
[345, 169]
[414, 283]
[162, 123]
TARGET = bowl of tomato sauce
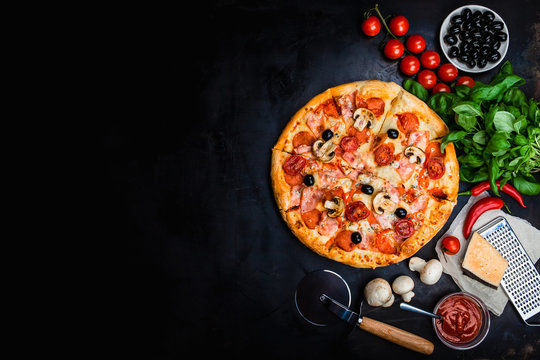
[464, 320]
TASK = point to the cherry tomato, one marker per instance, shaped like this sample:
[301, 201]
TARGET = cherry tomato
[410, 65]
[448, 72]
[465, 80]
[450, 245]
[427, 78]
[399, 25]
[441, 87]
[430, 59]
[416, 44]
[371, 26]
[393, 49]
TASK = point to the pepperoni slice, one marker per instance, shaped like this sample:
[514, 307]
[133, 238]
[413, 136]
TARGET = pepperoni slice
[384, 154]
[435, 167]
[408, 122]
[404, 228]
[385, 241]
[356, 211]
[311, 218]
[349, 143]
[303, 138]
[294, 165]
[329, 108]
[360, 102]
[344, 242]
[376, 105]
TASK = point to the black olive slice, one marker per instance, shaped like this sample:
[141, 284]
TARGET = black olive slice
[356, 237]
[392, 133]
[367, 189]
[327, 134]
[309, 180]
[400, 213]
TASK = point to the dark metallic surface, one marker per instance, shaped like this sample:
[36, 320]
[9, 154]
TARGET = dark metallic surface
[340, 310]
[205, 263]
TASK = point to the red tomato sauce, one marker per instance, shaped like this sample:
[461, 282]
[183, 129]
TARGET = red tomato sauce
[461, 319]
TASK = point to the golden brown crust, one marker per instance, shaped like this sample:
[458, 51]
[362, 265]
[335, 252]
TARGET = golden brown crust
[437, 210]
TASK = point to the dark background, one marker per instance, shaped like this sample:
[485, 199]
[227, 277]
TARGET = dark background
[205, 265]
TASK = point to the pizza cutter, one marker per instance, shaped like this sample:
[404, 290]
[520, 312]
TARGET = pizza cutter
[323, 297]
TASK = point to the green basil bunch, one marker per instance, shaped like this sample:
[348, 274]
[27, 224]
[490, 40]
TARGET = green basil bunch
[494, 127]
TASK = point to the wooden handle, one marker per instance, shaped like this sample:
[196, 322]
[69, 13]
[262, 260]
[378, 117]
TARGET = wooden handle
[397, 336]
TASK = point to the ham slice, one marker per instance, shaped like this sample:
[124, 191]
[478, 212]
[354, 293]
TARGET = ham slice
[328, 226]
[315, 122]
[405, 168]
[309, 199]
[419, 139]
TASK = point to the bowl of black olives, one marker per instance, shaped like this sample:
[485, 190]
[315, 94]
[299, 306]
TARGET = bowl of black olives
[474, 38]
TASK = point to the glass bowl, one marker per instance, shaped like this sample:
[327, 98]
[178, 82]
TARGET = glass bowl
[484, 328]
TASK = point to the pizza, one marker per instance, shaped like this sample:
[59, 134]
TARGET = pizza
[359, 176]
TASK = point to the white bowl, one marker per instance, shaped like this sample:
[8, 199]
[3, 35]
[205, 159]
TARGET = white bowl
[445, 47]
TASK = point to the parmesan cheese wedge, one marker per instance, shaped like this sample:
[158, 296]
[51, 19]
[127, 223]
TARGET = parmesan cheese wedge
[484, 262]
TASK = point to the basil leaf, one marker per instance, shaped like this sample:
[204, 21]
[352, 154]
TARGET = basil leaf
[467, 108]
[453, 136]
[504, 121]
[480, 137]
[488, 119]
[473, 175]
[472, 160]
[415, 88]
[497, 142]
[520, 140]
[520, 124]
[462, 91]
[467, 122]
[505, 70]
[526, 184]
[515, 97]
[493, 175]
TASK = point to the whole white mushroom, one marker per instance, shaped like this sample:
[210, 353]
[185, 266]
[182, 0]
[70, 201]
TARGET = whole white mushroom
[430, 272]
[403, 286]
[378, 293]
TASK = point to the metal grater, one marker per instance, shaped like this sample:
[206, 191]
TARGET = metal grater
[521, 280]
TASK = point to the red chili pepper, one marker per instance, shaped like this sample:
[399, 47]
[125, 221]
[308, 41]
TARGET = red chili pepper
[480, 207]
[507, 189]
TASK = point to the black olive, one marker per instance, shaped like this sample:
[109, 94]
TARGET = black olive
[484, 28]
[485, 51]
[488, 16]
[482, 62]
[477, 35]
[497, 26]
[496, 45]
[327, 134]
[464, 47]
[454, 29]
[453, 52]
[476, 44]
[475, 54]
[450, 39]
[309, 180]
[494, 56]
[466, 14]
[488, 38]
[356, 237]
[471, 63]
[464, 35]
[464, 57]
[400, 213]
[456, 19]
[477, 14]
[467, 25]
[501, 36]
[477, 23]
[367, 189]
[392, 133]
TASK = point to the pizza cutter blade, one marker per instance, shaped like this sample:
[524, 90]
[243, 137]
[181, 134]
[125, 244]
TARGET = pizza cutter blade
[311, 287]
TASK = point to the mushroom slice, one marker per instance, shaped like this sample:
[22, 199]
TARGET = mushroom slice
[324, 150]
[414, 154]
[335, 206]
[363, 118]
[382, 203]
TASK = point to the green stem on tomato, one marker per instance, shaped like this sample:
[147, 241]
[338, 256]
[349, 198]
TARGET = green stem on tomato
[387, 28]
